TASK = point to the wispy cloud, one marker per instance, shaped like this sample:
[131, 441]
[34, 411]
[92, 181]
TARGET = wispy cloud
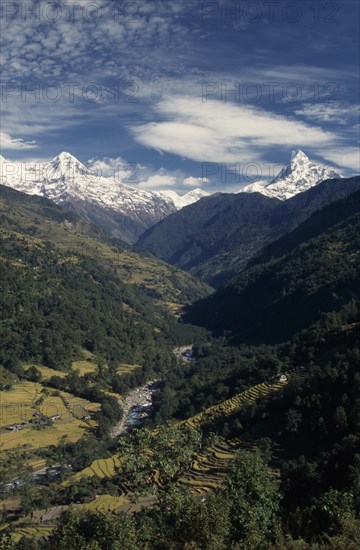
[158, 181]
[196, 182]
[142, 176]
[330, 112]
[89, 53]
[219, 132]
[7, 142]
[345, 157]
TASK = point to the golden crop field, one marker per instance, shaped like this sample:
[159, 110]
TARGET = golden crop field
[105, 503]
[225, 408]
[126, 369]
[26, 398]
[36, 463]
[102, 468]
[43, 520]
[77, 406]
[37, 532]
[47, 373]
[32, 438]
[84, 367]
[10, 504]
[17, 404]
[20, 404]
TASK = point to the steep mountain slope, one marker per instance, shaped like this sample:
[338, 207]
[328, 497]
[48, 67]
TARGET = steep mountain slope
[298, 176]
[314, 269]
[216, 237]
[40, 219]
[124, 211]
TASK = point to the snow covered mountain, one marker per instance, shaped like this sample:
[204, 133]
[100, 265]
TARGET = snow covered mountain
[298, 176]
[184, 200]
[125, 211]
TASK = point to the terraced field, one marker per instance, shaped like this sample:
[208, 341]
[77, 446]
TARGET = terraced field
[85, 364]
[127, 369]
[207, 472]
[46, 372]
[234, 404]
[105, 503]
[102, 468]
[37, 463]
[17, 404]
[84, 367]
[77, 406]
[10, 504]
[31, 438]
[25, 399]
[43, 520]
[38, 532]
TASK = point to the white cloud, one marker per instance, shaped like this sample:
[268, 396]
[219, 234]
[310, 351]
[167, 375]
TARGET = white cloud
[191, 180]
[8, 142]
[345, 157]
[329, 112]
[219, 132]
[158, 181]
[113, 167]
[133, 174]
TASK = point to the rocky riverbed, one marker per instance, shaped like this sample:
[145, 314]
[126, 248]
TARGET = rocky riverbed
[184, 353]
[136, 406]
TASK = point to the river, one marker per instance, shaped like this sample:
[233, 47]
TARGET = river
[136, 406]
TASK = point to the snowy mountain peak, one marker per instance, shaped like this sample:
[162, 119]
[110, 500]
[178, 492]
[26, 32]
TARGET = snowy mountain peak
[66, 165]
[65, 156]
[126, 211]
[184, 200]
[296, 177]
[196, 193]
[298, 156]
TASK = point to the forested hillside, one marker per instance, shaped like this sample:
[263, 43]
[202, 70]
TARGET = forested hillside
[252, 442]
[216, 237]
[78, 310]
[40, 218]
[313, 270]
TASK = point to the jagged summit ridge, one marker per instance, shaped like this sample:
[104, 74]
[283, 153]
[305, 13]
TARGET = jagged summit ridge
[68, 182]
[184, 200]
[296, 177]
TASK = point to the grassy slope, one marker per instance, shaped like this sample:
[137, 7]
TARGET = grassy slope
[40, 218]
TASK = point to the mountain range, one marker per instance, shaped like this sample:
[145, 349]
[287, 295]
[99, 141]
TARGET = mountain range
[296, 177]
[124, 211]
[312, 270]
[87, 318]
[217, 236]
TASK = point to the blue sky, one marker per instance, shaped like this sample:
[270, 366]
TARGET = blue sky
[211, 94]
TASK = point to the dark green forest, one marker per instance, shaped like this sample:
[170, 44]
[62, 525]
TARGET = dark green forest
[313, 270]
[294, 480]
[217, 236]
